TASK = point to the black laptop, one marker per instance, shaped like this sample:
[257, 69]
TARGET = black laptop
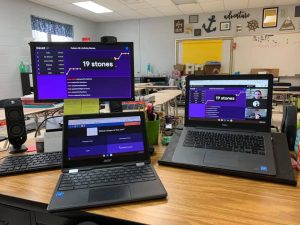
[105, 161]
[228, 123]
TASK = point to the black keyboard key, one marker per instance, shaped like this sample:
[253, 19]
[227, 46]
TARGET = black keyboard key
[107, 177]
[27, 163]
[249, 144]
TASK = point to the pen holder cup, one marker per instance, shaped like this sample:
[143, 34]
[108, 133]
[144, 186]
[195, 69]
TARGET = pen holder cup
[152, 131]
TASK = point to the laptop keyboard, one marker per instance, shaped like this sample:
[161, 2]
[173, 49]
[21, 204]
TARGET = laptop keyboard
[248, 144]
[106, 177]
[32, 162]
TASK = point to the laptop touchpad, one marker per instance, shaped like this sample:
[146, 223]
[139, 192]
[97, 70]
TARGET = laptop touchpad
[109, 194]
[221, 158]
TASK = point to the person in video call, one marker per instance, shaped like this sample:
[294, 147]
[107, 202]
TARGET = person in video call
[257, 94]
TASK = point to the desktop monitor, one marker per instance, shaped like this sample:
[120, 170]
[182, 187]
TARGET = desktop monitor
[70, 70]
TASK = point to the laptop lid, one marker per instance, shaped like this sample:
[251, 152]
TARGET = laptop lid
[103, 139]
[229, 101]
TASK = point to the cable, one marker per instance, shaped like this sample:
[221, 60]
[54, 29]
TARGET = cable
[3, 150]
[38, 128]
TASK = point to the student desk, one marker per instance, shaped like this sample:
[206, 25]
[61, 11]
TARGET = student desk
[163, 97]
[193, 198]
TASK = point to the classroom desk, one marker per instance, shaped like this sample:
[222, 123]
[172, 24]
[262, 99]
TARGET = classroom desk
[286, 95]
[193, 198]
[163, 97]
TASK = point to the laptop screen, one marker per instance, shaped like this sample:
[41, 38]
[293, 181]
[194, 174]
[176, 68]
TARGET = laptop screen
[104, 138]
[229, 100]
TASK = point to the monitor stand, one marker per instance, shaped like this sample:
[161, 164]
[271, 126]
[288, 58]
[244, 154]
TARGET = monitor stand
[17, 149]
[115, 106]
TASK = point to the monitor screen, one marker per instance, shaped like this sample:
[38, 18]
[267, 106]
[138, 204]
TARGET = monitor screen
[230, 101]
[108, 137]
[68, 70]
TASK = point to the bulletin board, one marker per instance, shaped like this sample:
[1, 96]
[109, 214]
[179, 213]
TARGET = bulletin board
[199, 51]
[268, 51]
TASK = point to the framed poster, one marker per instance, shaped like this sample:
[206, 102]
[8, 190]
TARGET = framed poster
[270, 17]
[197, 32]
[193, 19]
[178, 26]
[225, 26]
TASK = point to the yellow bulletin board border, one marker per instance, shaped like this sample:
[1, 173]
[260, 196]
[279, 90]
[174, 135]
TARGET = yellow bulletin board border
[179, 44]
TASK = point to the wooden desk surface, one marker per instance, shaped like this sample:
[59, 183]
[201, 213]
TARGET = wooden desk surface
[164, 96]
[193, 198]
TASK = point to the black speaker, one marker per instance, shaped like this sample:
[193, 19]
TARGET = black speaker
[15, 123]
[108, 40]
[289, 124]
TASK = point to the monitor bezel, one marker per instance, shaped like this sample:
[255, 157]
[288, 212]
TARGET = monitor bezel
[66, 163]
[78, 44]
[264, 127]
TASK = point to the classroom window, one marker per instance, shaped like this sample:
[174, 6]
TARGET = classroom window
[48, 30]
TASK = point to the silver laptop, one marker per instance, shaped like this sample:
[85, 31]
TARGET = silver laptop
[228, 123]
[105, 161]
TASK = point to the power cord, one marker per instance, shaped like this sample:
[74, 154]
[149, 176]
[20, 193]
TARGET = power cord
[39, 127]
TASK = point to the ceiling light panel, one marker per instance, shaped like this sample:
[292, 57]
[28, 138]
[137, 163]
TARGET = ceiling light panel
[182, 2]
[92, 6]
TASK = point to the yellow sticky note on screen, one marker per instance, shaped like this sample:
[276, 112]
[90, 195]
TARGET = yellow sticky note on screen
[90, 106]
[72, 106]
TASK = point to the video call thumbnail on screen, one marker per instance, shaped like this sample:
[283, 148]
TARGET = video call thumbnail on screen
[228, 103]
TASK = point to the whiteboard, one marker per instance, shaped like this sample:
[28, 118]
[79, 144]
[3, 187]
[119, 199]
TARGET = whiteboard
[268, 51]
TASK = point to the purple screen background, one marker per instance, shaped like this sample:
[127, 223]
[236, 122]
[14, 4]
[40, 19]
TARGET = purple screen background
[227, 110]
[107, 83]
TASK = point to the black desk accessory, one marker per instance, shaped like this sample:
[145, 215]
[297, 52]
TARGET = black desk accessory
[15, 123]
[18, 164]
[285, 172]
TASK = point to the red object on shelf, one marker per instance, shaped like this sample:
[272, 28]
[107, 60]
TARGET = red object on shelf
[86, 39]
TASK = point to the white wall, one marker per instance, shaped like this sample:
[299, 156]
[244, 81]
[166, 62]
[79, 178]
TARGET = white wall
[15, 33]
[154, 38]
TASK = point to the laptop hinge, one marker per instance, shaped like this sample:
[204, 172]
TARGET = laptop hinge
[140, 164]
[73, 171]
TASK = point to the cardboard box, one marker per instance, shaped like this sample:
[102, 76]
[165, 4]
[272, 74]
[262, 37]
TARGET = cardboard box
[189, 69]
[273, 71]
[179, 67]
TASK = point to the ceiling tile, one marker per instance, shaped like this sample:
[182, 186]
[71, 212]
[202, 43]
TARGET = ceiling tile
[212, 6]
[169, 10]
[156, 3]
[234, 4]
[113, 5]
[141, 5]
[129, 14]
[259, 3]
[150, 12]
[285, 2]
[190, 8]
